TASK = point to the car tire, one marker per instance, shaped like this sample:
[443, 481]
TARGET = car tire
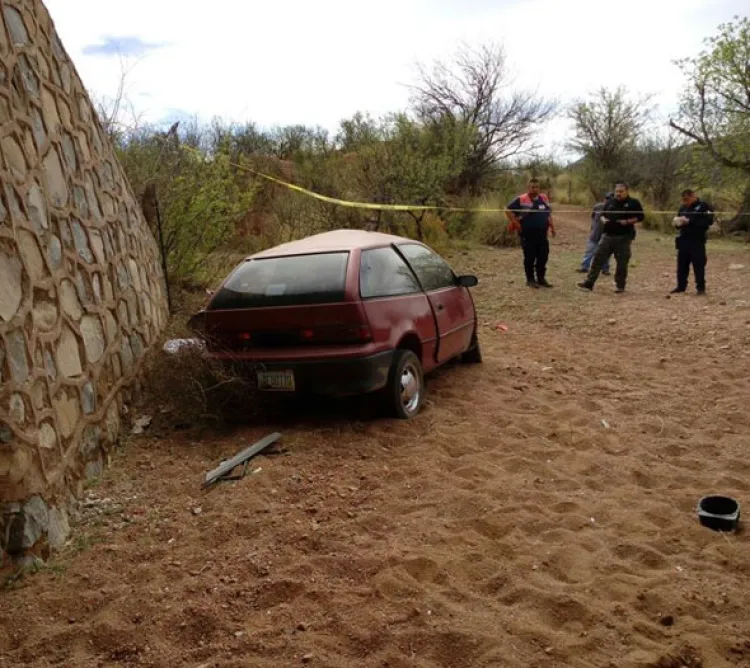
[474, 354]
[405, 390]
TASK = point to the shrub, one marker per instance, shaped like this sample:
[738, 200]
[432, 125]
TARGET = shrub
[492, 230]
[568, 189]
[197, 389]
[661, 222]
[491, 227]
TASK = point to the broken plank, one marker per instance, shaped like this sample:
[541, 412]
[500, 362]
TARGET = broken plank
[240, 458]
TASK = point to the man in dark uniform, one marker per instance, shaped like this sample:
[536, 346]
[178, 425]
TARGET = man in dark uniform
[619, 217]
[692, 222]
[530, 214]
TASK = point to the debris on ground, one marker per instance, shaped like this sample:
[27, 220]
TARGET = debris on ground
[222, 471]
[174, 346]
[141, 424]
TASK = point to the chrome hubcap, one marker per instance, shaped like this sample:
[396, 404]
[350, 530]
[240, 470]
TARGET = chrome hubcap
[411, 391]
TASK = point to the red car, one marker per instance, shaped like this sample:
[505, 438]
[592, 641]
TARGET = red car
[345, 312]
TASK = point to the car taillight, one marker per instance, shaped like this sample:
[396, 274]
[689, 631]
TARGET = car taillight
[239, 340]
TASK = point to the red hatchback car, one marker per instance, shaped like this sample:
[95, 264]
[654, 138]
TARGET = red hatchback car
[345, 312]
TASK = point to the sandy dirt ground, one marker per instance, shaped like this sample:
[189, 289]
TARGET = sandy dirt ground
[539, 513]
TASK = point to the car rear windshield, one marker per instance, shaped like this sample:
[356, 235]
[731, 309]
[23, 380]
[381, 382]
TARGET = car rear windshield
[285, 281]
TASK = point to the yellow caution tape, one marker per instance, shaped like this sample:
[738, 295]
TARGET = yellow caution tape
[408, 207]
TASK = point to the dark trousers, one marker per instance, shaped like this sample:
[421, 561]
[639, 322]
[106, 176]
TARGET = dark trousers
[617, 245]
[535, 255]
[691, 252]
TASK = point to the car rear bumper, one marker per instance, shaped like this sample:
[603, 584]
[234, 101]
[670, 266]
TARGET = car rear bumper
[338, 377]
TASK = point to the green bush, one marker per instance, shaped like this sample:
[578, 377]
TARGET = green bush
[491, 227]
[660, 222]
[569, 189]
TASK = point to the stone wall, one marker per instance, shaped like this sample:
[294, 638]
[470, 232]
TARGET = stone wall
[81, 288]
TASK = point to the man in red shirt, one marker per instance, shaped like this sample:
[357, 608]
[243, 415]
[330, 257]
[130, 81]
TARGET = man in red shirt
[530, 215]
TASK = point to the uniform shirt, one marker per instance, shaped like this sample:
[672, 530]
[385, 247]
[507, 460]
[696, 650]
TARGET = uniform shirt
[615, 211]
[700, 216]
[534, 216]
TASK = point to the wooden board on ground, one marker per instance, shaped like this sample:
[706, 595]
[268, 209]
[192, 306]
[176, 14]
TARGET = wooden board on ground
[228, 466]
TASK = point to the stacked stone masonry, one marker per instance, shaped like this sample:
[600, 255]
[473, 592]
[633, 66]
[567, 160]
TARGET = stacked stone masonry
[81, 288]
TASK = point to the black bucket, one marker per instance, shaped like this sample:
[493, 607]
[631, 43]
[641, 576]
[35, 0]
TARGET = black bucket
[720, 513]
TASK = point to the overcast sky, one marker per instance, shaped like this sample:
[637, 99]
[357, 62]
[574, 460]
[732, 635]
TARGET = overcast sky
[315, 63]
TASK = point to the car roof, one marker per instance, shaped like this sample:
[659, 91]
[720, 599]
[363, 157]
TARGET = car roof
[337, 240]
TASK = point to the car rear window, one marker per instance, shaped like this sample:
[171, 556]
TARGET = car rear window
[285, 281]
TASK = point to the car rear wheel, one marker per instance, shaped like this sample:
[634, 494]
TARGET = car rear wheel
[474, 354]
[405, 390]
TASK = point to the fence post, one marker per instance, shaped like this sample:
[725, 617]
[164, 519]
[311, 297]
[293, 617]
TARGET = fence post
[163, 250]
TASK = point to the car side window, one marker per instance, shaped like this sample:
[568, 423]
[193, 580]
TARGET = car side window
[433, 272]
[383, 273]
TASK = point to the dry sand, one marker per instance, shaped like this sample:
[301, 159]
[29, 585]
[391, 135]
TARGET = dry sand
[540, 512]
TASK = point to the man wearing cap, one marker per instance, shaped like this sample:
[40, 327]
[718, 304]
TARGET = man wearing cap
[595, 236]
[619, 217]
[692, 223]
[530, 215]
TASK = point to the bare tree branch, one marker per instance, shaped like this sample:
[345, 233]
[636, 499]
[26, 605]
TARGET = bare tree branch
[474, 89]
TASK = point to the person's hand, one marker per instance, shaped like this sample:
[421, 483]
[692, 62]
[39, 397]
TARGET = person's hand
[554, 233]
[603, 220]
[677, 222]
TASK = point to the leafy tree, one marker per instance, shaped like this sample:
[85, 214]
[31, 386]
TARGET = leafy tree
[661, 160]
[472, 90]
[238, 139]
[359, 131]
[291, 142]
[607, 128]
[409, 163]
[200, 198]
[715, 107]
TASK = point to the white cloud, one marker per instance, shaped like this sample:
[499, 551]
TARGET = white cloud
[315, 63]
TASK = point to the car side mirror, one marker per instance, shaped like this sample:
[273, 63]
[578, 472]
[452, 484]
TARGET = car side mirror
[468, 281]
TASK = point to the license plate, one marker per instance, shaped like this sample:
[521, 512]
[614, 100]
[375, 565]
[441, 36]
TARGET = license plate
[276, 381]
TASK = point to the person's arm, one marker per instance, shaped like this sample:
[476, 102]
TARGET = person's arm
[680, 220]
[637, 216]
[514, 224]
[603, 215]
[551, 226]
